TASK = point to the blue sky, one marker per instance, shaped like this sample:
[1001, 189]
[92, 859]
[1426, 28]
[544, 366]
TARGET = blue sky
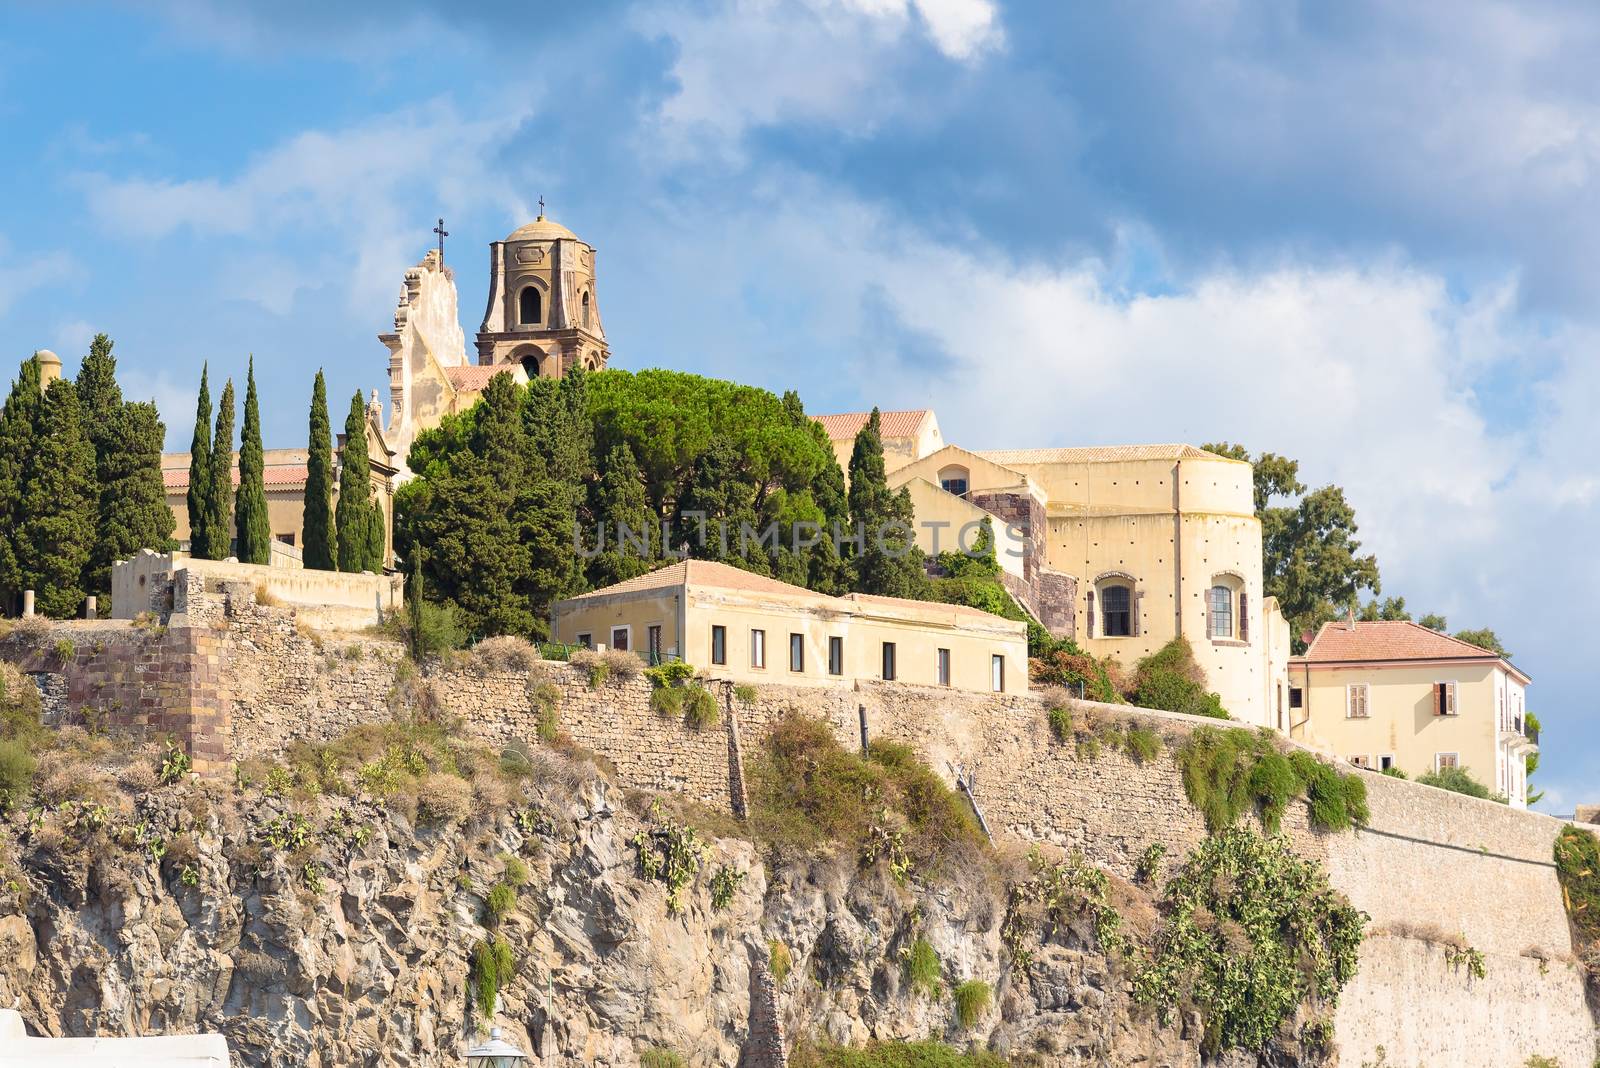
[1362, 235]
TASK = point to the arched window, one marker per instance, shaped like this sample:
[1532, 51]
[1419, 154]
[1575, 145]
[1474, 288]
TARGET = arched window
[586, 308]
[1221, 612]
[1116, 611]
[955, 479]
[530, 306]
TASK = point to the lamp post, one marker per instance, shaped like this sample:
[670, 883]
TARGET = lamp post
[496, 1052]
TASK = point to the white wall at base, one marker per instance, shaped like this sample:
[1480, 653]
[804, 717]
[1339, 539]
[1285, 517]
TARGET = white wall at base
[331, 600]
[18, 1049]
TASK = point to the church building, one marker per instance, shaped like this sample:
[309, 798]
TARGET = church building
[543, 319]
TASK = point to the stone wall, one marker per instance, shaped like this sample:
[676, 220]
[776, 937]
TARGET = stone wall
[1430, 867]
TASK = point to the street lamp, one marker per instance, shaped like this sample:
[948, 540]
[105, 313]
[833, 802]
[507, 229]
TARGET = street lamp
[495, 1053]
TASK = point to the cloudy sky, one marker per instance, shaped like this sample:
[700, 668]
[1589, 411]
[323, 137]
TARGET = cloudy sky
[1363, 235]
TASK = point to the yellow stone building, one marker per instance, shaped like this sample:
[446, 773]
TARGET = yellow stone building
[743, 627]
[1122, 548]
[1396, 694]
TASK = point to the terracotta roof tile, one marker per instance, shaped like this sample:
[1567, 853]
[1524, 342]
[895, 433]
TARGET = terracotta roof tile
[1095, 454]
[472, 377]
[846, 425]
[1336, 643]
[277, 477]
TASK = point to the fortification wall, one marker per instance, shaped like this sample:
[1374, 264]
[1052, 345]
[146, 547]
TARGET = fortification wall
[1430, 867]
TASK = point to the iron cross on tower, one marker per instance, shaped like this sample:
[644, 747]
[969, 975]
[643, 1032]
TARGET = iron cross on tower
[443, 233]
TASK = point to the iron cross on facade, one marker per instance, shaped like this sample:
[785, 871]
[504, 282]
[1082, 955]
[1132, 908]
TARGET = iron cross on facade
[443, 233]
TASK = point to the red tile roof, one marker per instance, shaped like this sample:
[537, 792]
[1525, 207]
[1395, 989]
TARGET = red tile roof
[1389, 640]
[1096, 454]
[288, 476]
[472, 377]
[846, 425]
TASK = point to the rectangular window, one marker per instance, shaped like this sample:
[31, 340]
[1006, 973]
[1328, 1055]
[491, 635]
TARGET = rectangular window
[888, 661]
[1116, 606]
[836, 656]
[1361, 760]
[719, 645]
[586, 640]
[652, 642]
[758, 648]
[797, 652]
[958, 486]
[1385, 761]
[1221, 612]
[1297, 697]
[944, 667]
[1355, 706]
[1444, 698]
[1446, 760]
[997, 673]
[620, 638]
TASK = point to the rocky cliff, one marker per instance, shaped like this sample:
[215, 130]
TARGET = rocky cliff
[315, 929]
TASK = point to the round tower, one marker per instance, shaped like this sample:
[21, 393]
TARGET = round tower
[543, 313]
[49, 367]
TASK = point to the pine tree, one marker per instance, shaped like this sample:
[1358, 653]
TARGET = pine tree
[320, 551]
[133, 511]
[622, 518]
[219, 482]
[355, 508]
[200, 468]
[58, 505]
[250, 508]
[887, 562]
[98, 393]
[19, 435]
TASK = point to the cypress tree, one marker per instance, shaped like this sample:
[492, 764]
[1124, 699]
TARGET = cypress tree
[19, 434]
[58, 505]
[888, 562]
[620, 509]
[219, 482]
[98, 393]
[318, 528]
[133, 512]
[355, 508]
[250, 509]
[200, 468]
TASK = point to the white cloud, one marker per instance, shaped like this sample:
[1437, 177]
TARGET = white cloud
[23, 275]
[753, 63]
[359, 184]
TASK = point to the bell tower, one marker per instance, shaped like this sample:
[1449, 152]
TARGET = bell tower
[543, 313]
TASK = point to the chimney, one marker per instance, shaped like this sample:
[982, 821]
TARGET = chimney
[1350, 618]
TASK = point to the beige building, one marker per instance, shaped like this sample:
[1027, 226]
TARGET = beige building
[1122, 548]
[1396, 694]
[284, 475]
[543, 318]
[735, 625]
[907, 435]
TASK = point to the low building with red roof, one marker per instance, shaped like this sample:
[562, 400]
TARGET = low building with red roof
[1396, 695]
[748, 628]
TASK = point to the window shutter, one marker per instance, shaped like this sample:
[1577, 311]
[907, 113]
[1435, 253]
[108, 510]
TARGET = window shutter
[1450, 696]
[1091, 613]
[1133, 610]
[1244, 616]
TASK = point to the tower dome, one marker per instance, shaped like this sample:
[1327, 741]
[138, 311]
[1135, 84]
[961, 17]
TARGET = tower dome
[49, 367]
[544, 309]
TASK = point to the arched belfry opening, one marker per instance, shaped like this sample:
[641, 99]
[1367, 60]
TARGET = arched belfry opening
[530, 306]
[543, 311]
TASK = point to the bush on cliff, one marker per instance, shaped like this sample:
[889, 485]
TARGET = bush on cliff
[1456, 780]
[1577, 855]
[1227, 773]
[1059, 662]
[807, 791]
[1172, 680]
[925, 1054]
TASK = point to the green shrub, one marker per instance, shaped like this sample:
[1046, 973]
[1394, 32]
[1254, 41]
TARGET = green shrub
[1577, 854]
[430, 628]
[500, 902]
[1141, 743]
[669, 673]
[925, 1054]
[1148, 866]
[1060, 720]
[657, 1057]
[546, 699]
[779, 960]
[1227, 773]
[725, 883]
[516, 871]
[1394, 772]
[806, 791]
[972, 999]
[923, 969]
[1170, 679]
[745, 693]
[1061, 663]
[16, 774]
[1456, 780]
[699, 707]
[493, 967]
[1250, 933]
[667, 700]
[65, 650]
[175, 764]
[671, 855]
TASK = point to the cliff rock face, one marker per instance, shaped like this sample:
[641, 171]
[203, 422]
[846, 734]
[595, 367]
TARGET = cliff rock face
[327, 932]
